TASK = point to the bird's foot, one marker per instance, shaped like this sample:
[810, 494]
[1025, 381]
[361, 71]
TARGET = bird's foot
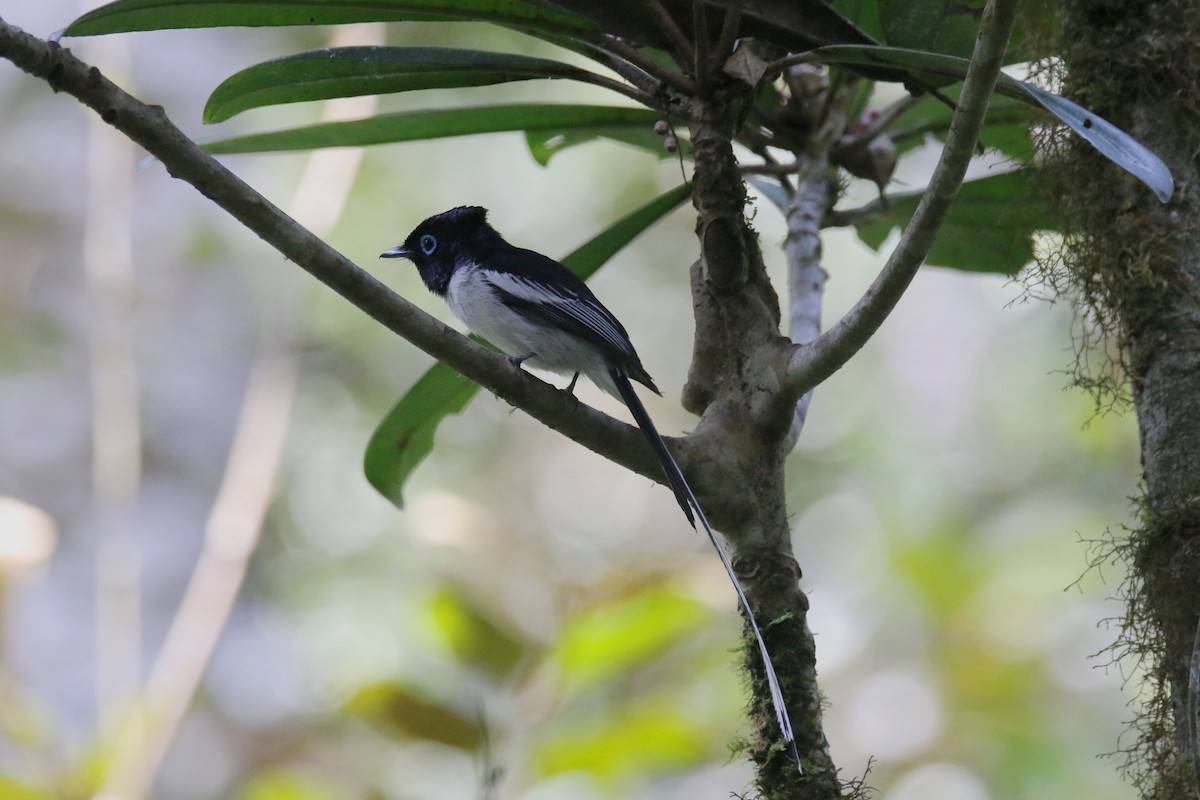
[517, 361]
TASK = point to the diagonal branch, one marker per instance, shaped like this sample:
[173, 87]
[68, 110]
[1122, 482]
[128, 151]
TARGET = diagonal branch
[618, 49]
[183, 159]
[808, 365]
[729, 31]
[684, 53]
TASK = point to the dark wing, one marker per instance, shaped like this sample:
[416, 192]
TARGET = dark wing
[546, 292]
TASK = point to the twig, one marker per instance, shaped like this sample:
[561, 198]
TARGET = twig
[700, 65]
[729, 31]
[778, 66]
[808, 365]
[836, 218]
[805, 215]
[805, 210]
[652, 67]
[632, 92]
[634, 75]
[878, 125]
[666, 23]
[789, 168]
[781, 135]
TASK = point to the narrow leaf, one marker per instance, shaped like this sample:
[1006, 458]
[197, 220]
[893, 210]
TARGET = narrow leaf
[351, 71]
[1005, 128]
[989, 228]
[939, 26]
[540, 120]
[935, 69]
[863, 13]
[144, 15]
[473, 636]
[545, 144]
[405, 436]
[401, 712]
[636, 737]
[622, 636]
[1113, 143]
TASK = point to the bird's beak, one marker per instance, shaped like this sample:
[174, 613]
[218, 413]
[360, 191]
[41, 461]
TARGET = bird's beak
[399, 251]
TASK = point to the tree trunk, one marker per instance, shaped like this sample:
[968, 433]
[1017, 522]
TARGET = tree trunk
[1137, 263]
[739, 449]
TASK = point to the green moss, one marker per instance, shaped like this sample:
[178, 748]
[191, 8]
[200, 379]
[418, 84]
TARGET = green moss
[1121, 265]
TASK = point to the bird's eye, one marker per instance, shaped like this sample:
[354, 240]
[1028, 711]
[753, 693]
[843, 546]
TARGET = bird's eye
[428, 244]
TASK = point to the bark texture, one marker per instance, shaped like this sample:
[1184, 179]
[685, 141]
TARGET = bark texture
[1137, 263]
[743, 434]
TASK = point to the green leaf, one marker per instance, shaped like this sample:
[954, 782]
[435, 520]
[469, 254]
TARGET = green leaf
[863, 13]
[145, 15]
[989, 228]
[938, 26]
[951, 26]
[621, 636]
[545, 144]
[287, 784]
[1005, 128]
[12, 789]
[653, 738]
[351, 71]
[405, 436]
[399, 711]
[472, 636]
[935, 70]
[535, 119]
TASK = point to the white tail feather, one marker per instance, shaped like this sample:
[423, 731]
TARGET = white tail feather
[687, 501]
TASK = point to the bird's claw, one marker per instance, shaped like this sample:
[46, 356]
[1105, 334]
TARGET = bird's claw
[517, 361]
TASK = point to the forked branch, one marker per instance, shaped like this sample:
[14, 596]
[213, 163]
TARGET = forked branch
[810, 364]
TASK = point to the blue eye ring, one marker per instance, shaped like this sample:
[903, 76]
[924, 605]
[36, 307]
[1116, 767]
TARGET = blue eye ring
[428, 244]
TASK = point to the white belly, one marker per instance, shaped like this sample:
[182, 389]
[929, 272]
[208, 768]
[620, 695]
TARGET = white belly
[475, 303]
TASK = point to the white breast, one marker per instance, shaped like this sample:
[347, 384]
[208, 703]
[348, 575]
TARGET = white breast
[474, 301]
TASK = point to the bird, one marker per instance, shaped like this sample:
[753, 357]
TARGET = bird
[540, 314]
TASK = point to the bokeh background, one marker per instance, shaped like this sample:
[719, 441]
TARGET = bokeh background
[535, 623]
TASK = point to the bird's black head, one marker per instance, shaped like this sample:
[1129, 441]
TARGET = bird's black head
[445, 241]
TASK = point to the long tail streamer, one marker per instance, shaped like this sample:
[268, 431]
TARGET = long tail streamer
[687, 501]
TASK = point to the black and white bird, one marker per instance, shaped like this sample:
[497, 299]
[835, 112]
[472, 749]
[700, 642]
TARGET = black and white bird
[541, 314]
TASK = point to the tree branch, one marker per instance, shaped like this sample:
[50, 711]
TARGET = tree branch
[729, 31]
[183, 159]
[615, 47]
[808, 365]
[844, 218]
[684, 53]
[700, 56]
[814, 193]
[877, 126]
